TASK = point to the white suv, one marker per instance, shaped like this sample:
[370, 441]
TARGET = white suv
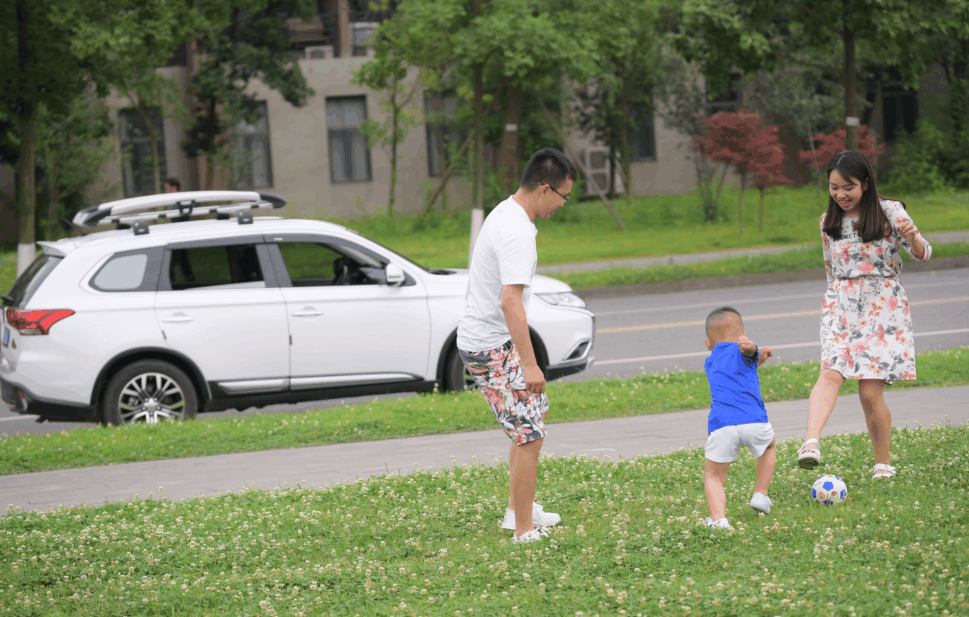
[144, 323]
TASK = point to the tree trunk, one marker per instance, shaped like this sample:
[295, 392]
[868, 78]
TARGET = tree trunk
[394, 135]
[740, 203]
[850, 81]
[26, 187]
[53, 197]
[760, 214]
[153, 140]
[625, 108]
[508, 163]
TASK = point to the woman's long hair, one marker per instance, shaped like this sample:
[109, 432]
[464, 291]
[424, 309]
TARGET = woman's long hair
[872, 223]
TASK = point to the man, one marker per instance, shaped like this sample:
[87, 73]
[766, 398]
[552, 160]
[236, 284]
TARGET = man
[172, 185]
[493, 337]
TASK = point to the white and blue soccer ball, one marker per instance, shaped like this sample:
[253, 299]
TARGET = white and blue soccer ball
[829, 490]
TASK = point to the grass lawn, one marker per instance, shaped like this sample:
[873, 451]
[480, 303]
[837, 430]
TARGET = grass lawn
[798, 259]
[656, 226]
[631, 542]
[647, 394]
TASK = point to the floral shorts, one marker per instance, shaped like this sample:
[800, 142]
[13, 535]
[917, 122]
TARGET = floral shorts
[501, 379]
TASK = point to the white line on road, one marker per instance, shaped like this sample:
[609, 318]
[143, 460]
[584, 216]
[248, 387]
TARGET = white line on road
[758, 300]
[698, 354]
[19, 418]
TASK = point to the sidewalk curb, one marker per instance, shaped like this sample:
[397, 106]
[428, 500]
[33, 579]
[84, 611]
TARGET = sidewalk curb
[748, 280]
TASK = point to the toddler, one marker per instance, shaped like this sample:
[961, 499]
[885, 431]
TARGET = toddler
[737, 416]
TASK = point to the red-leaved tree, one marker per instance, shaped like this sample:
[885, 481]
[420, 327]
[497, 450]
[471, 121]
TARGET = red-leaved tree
[826, 146]
[742, 141]
[768, 165]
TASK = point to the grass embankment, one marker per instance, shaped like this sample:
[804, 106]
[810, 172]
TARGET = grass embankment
[423, 415]
[631, 542]
[804, 259]
[655, 227]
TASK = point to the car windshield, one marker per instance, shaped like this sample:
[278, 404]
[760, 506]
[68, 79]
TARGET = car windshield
[405, 258]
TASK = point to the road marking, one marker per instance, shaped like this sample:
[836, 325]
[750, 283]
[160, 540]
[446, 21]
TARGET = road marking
[697, 354]
[683, 324]
[19, 418]
[746, 301]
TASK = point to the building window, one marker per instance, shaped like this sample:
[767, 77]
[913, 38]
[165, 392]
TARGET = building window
[137, 166]
[730, 98]
[642, 136]
[900, 112]
[443, 139]
[251, 160]
[349, 154]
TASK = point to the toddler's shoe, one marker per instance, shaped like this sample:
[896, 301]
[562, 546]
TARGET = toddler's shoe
[761, 502]
[718, 524]
[540, 518]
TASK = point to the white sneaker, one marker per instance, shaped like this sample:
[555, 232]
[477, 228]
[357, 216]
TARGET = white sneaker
[540, 518]
[761, 502]
[719, 524]
[530, 536]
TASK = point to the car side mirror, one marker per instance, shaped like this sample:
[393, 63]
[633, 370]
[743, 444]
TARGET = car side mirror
[395, 275]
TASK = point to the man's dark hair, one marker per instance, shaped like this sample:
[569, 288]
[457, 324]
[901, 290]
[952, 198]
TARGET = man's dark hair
[548, 166]
[174, 182]
[719, 314]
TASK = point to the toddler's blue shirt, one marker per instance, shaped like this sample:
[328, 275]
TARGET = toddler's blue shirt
[734, 387]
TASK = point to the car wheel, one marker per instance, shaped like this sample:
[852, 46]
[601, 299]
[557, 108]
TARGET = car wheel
[149, 391]
[456, 375]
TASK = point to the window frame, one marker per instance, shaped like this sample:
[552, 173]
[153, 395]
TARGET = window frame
[345, 136]
[262, 254]
[238, 147]
[649, 128]
[449, 134]
[149, 281]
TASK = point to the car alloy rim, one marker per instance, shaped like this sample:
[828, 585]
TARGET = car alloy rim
[151, 397]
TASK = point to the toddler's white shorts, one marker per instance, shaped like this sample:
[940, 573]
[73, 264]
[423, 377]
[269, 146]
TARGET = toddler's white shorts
[723, 444]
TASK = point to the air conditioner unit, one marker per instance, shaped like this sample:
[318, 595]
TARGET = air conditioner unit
[596, 161]
[319, 52]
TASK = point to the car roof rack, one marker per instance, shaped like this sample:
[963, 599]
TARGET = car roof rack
[135, 212]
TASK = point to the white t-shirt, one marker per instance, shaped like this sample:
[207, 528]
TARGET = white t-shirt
[504, 254]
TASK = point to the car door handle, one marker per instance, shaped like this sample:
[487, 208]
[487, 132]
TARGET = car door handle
[178, 318]
[307, 313]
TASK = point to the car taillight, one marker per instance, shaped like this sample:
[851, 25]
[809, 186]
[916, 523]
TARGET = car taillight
[35, 322]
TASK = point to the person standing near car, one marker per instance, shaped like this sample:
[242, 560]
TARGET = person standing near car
[493, 338]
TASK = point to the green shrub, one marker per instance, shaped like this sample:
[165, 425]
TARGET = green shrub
[915, 166]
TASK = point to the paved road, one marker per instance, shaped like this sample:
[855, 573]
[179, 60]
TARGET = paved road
[324, 465]
[664, 332]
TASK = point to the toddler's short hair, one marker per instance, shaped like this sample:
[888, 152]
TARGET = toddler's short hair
[719, 315]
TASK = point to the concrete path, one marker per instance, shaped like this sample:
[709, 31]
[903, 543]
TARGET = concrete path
[645, 262]
[324, 465]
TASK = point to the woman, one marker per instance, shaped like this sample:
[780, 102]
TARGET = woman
[866, 327]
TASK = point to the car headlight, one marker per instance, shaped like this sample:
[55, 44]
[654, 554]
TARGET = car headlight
[563, 298]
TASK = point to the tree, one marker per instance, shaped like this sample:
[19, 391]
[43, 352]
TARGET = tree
[682, 104]
[395, 51]
[828, 145]
[625, 40]
[767, 165]
[128, 40]
[760, 34]
[241, 40]
[37, 67]
[72, 150]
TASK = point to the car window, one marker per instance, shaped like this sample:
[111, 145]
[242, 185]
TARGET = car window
[215, 267]
[122, 273]
[312, 264]
[30, 281]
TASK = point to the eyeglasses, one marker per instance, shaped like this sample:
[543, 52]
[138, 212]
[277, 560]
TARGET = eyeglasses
[565, 198]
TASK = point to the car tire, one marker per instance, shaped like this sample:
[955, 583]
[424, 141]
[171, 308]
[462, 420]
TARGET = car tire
[132, 394]
[456, 375]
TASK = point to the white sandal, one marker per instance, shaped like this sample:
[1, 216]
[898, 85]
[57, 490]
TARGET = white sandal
[888, 469]
[809, 459]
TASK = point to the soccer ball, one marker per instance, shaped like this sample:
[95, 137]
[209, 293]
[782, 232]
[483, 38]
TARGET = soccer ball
[829, 490]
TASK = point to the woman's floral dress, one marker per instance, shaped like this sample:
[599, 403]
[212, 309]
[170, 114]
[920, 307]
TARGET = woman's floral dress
[866, 325]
